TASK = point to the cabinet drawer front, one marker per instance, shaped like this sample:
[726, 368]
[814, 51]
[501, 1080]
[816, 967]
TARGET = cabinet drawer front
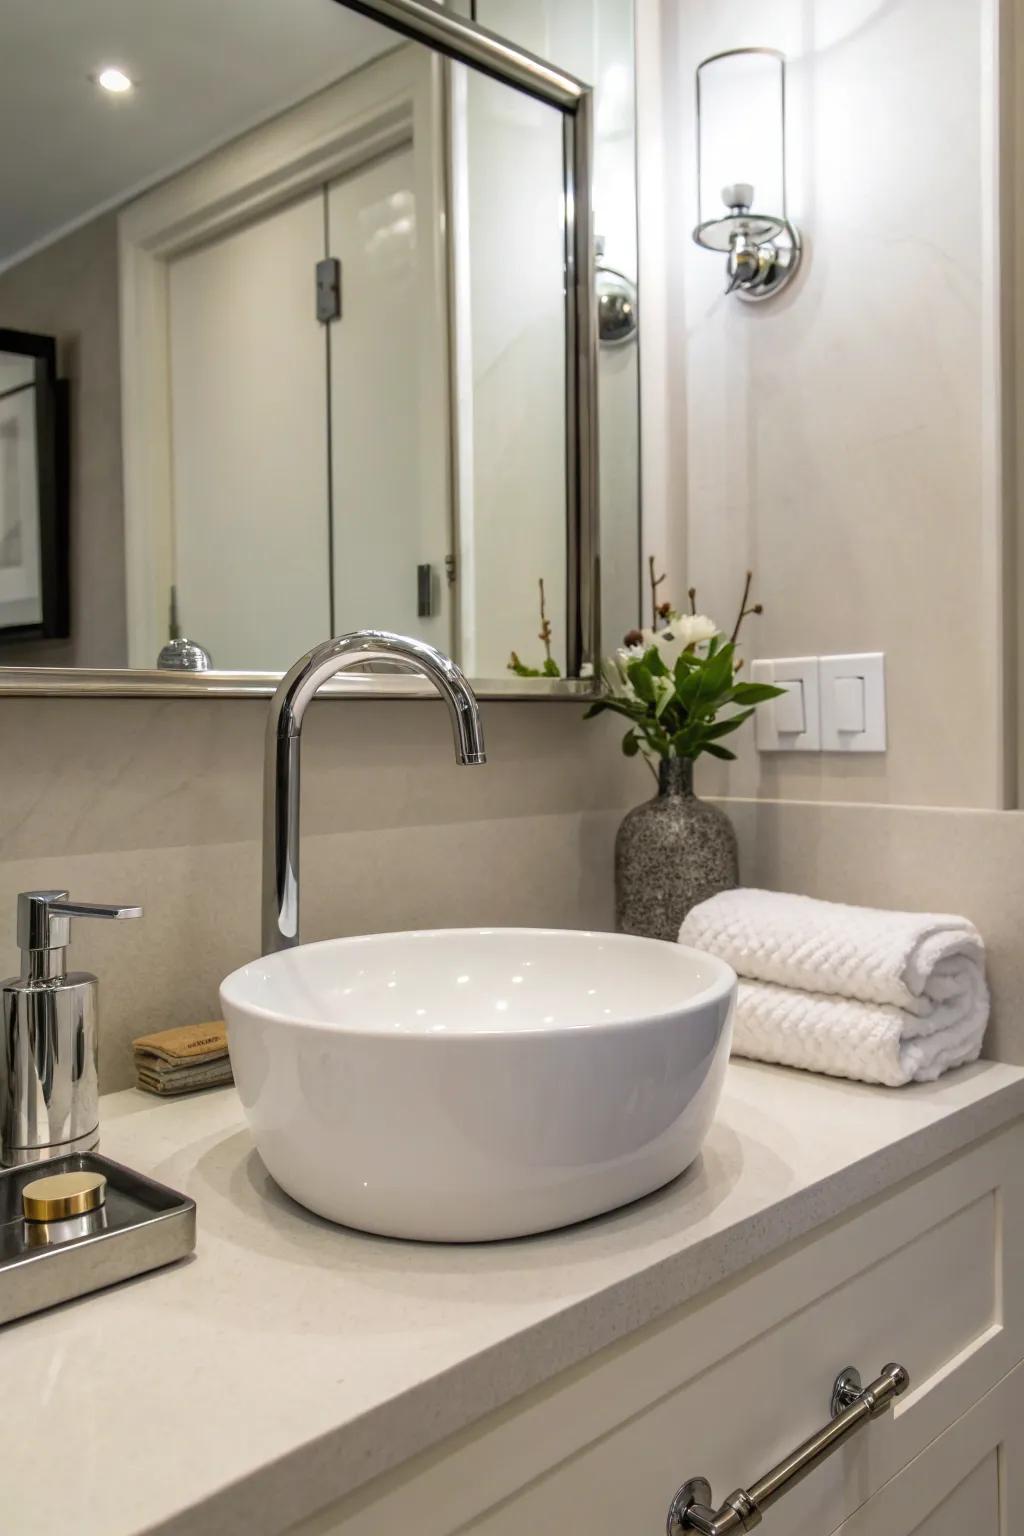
[971, 1479]
[731, 1383]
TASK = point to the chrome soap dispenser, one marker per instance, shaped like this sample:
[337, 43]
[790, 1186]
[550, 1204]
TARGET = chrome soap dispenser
[49, 1087]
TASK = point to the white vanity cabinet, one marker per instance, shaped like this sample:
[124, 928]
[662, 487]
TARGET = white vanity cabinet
[969, 1482]
[930, 1275]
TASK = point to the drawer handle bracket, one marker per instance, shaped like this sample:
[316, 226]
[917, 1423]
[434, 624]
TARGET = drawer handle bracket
[851, 1405]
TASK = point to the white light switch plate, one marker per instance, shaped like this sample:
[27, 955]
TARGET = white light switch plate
[782, 725]
[852, 695]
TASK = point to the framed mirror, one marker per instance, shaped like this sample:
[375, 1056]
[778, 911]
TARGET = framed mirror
[330, 290]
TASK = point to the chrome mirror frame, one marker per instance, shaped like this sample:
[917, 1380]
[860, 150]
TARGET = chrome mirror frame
[466, 43]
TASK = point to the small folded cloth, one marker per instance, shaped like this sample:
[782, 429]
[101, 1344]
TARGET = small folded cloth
[183, 1059]
[886, 997]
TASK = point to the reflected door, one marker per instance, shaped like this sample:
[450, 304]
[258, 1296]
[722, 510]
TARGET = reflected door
[391, 524]
[309, 456]
[249, 441]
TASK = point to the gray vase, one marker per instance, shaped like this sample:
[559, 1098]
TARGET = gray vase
[671, 853]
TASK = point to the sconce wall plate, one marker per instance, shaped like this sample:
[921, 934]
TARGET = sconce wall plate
[778, 260]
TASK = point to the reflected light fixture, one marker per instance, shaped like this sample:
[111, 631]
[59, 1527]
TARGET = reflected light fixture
[616, 301]
[114, 80]
[741, 128]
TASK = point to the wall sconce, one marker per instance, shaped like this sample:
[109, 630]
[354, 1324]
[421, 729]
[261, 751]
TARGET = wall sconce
[616, 301]
[741, 127]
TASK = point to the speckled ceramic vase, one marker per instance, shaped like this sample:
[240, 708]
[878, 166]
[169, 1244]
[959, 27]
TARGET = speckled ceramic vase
[671, 853]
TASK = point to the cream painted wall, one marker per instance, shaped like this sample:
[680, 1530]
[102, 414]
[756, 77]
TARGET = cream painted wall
[159, 803]
[843, 441]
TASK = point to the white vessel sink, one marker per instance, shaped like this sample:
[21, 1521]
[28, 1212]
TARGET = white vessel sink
[470, 1084]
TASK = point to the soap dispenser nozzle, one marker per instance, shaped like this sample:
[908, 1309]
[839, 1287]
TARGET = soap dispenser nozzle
[49, 1086]
[44, 929]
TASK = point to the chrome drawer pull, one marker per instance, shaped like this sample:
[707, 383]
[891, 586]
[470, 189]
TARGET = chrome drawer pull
[852, 1406]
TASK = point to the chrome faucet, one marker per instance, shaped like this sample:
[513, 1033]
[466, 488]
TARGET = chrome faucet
[284, 733]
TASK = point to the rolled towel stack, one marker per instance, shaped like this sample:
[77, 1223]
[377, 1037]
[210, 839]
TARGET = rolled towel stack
[884, 997]
[183, 1059]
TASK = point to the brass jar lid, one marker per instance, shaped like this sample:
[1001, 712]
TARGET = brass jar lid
[62, 1195]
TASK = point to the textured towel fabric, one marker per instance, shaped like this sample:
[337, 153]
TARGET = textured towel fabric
[184, 1044]
[873, 1042]
[171, 1080]
[886, 997]
[183, 1059]
[914, 960]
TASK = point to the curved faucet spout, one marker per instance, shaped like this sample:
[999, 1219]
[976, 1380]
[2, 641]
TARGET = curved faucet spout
[296, 690]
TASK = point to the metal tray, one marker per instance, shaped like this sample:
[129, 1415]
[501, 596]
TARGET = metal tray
[141, 1226]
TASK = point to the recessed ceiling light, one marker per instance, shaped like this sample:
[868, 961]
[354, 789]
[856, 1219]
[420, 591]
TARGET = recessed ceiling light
[114, 80]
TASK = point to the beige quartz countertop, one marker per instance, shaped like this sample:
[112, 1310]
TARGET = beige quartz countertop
[290, 1360]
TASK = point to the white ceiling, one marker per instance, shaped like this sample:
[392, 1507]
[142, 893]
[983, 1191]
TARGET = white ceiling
[206, 71]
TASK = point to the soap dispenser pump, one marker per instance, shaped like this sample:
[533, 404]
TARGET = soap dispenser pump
[49, 1086]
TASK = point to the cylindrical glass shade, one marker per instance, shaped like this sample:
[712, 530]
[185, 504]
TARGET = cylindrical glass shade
[741, 133]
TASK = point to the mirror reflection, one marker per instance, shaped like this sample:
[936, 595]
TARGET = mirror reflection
[305, 284]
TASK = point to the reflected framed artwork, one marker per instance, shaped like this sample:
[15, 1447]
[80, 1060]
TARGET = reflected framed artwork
[34, 596]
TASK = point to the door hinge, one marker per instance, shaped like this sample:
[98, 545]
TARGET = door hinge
[449, 569]
[328, 290]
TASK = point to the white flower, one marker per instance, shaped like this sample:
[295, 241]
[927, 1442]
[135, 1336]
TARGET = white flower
[693, 628]
[681, 631]
[615, 674]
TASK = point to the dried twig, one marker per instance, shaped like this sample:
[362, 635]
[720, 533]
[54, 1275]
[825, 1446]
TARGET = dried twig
[656, 582]
[744, 610]
[545, 623]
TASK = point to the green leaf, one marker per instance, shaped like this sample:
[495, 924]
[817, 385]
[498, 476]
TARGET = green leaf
[723, 727]
[665, 693]
[630, 744]
[597, 708]
[719, 670]
[703, 689]
[688, 685]
[722, 752]
[627, 709]
[654, 662]
[755, 693]
[550, 668]
[642, 681]
[684, 669]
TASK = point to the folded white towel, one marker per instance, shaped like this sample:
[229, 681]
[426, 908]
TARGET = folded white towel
[873, 1042]
[914, 960]
[888, 997]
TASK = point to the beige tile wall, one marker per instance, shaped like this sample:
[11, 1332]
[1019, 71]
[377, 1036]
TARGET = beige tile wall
[139, 800]
[159, 803]
[935, 860]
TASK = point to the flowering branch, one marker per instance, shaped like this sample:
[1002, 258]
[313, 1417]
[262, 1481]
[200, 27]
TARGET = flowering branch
[545, 624]
[672, 683]
[550, 666]
[658, 610]
[744, 610]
